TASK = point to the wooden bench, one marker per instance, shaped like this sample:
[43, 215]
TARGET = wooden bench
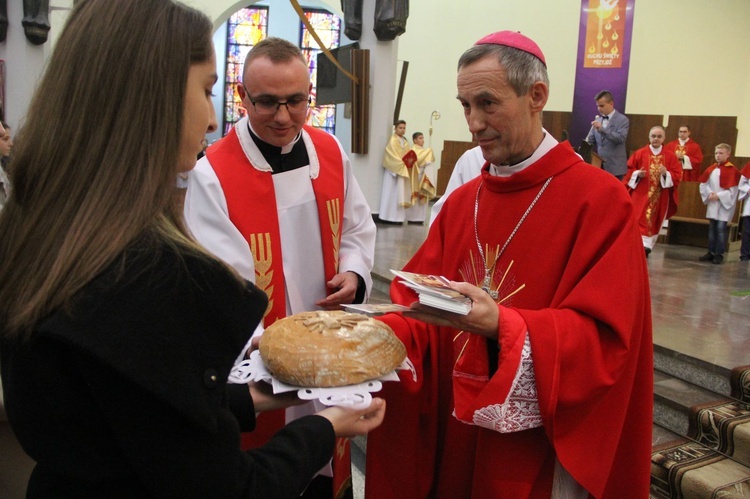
[689, 226]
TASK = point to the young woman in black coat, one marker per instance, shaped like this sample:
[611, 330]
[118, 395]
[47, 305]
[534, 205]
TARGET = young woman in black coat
[117, 331]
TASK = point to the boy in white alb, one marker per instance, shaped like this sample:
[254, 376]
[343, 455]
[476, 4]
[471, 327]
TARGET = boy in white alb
[719, 193]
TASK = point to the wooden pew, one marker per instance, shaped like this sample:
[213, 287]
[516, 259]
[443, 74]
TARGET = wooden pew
[689, 226]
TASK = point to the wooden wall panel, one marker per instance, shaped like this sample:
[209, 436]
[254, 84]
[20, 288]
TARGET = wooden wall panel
[452, 150]
[689, 225]
[690, 204]
[557, 123]
[707, 131]
[640, 124]
[360, 63]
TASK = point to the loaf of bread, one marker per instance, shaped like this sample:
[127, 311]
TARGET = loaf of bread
[329, 348]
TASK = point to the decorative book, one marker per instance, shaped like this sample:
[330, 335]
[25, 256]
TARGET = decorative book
[435, 291]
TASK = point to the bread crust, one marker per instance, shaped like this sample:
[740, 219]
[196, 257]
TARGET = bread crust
[330, 348]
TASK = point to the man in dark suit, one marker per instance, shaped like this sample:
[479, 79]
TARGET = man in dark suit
[609, 132]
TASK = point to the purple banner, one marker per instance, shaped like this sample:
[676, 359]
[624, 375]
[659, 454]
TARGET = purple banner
[606, 28]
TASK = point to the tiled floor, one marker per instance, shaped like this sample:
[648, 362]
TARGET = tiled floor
[693, 310]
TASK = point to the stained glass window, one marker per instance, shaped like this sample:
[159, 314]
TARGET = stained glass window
[245, 28]
[328, 28]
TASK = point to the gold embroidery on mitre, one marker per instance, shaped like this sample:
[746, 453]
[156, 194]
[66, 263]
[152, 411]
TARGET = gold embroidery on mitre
[334, 221]
[260, 245]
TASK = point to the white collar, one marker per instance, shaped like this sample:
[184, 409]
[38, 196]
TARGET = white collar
[284, 149]
[655, 152]
[242, 128]
[548, 143]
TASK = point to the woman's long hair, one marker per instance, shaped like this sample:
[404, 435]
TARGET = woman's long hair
[96, 161]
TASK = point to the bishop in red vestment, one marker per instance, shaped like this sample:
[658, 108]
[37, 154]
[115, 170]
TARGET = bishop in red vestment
[547, 382]
[652, 179]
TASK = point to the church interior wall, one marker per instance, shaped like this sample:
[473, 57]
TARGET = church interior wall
[692, 64]
[436, 38]
[686, 59]
[689, 60]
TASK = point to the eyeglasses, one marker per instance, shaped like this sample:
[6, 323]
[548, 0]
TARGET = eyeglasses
[267, 105]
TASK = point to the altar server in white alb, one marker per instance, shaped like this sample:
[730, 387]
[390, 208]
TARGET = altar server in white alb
[277, 200]
[425, 189]
[718, 190]
[400, 180]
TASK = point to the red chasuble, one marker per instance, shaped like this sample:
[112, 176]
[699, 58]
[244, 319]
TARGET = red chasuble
[577, 269]
[251, 203]
[729, 176]
[692, 151]
[653, 204]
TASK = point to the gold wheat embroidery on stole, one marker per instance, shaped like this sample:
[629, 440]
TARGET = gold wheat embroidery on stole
[260, 245]
[341, 447]
[334, 220]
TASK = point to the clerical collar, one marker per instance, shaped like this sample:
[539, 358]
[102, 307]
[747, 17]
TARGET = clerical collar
[548, 143]
[282, 159]
[655, 152]
[683, 142]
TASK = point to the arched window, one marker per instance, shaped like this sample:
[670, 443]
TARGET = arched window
[245, 28]
[328, 28]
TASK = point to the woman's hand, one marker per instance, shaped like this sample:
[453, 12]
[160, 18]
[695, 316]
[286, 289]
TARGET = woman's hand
[265, 400]
[348, 422]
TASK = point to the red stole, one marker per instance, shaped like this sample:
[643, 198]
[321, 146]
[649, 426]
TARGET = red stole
[745, 172]
[729, 176]
[251, 203]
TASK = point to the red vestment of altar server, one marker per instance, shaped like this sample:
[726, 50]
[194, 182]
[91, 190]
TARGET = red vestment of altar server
[692, 151]
[729, 176]
[653, 203]
[586, 306]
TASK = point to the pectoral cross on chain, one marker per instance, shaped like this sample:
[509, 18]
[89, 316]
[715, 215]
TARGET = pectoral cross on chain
[486, 285]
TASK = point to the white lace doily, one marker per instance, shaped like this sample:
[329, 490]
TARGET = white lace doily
[356, 396]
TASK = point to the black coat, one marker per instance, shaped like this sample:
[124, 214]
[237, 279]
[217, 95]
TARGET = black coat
[125, 395]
